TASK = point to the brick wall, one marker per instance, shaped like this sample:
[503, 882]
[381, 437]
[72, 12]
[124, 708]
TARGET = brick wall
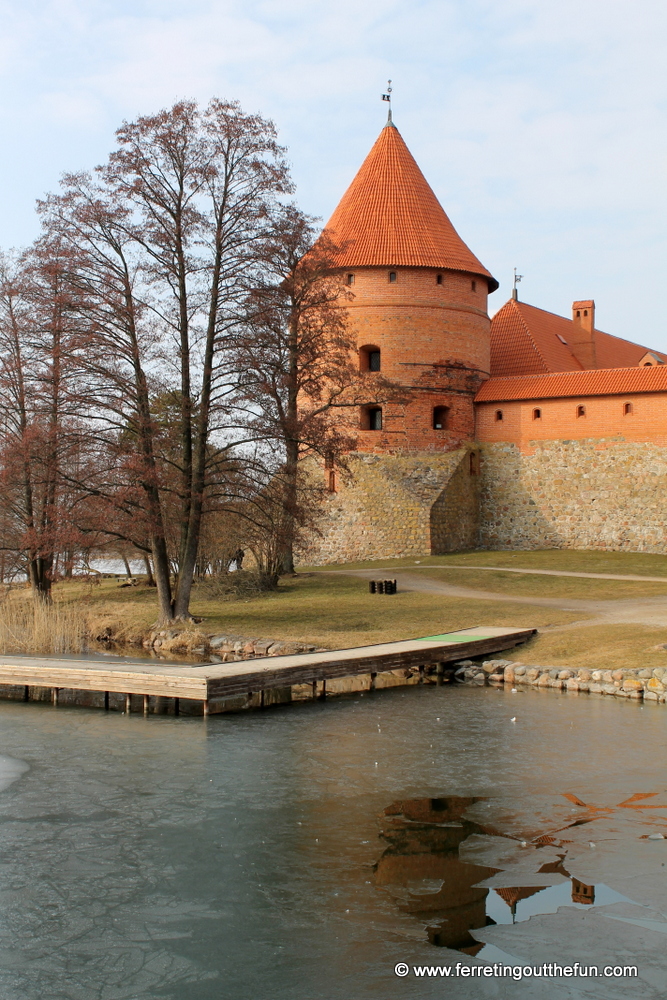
[419, 325]
[393, 506]
[635, 417]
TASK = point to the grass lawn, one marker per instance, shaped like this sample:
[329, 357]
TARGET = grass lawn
[597, 647]
[567, 560]
[330, 611]
[337, 610]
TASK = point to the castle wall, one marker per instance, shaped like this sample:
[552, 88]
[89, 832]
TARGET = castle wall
[635, 417]
[590, 493]
[394, 506]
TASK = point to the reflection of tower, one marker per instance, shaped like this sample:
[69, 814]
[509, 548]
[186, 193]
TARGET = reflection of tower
[515, 895]
[423, 837]
[582, 893]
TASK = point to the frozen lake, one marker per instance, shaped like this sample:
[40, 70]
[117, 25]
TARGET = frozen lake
[302, 853]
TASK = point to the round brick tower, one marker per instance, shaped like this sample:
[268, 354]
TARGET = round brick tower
[418, 302]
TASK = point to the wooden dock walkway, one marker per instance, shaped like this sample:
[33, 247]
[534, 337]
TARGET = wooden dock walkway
[218, 687]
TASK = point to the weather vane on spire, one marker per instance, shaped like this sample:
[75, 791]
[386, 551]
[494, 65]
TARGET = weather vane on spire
[387, 97]
[515, 291]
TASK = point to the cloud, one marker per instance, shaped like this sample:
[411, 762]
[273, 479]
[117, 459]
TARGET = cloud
[541, 126]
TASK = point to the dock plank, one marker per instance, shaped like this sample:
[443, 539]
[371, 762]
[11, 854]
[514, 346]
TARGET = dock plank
[210, 682]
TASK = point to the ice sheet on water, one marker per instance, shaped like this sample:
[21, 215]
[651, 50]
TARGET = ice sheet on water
[11, 770]
[590, 938]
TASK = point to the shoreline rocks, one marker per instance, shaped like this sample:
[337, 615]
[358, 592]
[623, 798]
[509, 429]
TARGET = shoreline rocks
[645, 683]
[221, 648]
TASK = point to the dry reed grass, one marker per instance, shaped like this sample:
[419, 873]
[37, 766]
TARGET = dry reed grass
[187, 641]
[123, 623]
[29, 626]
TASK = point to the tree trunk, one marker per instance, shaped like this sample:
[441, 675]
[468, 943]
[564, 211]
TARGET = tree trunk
[162, 580]
[150, 580]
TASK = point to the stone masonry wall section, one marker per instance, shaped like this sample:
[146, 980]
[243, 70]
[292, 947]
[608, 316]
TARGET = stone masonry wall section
[586, 494]
[394, 506]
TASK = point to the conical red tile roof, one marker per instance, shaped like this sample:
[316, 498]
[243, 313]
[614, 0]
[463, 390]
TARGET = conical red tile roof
[390, 217]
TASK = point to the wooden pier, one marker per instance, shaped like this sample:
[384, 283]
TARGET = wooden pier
[150, 686]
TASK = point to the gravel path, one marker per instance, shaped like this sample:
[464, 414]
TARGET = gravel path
[645, 611]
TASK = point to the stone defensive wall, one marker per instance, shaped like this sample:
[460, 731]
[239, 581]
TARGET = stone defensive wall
[401, 505]
[584, 494]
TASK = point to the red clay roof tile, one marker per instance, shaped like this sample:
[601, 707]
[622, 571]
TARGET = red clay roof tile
[390, 217]
[598, 382]
[526, 340]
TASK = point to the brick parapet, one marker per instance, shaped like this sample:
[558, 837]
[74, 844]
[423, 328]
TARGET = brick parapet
[640, 417]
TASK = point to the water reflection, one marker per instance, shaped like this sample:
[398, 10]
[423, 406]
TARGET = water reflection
[423, 838]
[422, 870]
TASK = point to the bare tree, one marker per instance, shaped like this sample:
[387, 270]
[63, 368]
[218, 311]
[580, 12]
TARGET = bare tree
[38, 433]
[164, 245]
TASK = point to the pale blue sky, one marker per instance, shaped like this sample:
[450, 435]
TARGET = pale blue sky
[540, 124]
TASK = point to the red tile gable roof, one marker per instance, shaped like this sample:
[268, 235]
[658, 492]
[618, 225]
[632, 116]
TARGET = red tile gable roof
[390, 217]
[599, 382]
[526, 340]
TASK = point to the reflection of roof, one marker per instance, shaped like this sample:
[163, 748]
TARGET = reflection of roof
[514, 895]
[526, 340]
[606, 382]
[389, 216]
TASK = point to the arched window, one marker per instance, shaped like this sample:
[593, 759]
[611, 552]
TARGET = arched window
[371, 418]
[581, 410]
[392, 277]
[537, 413]
[331, 481]
[499, 414]
[627, 409]
[440, 418]
[350, 279]
[370, 358]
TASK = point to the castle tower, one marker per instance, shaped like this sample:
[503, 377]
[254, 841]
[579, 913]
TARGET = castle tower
[418, 302]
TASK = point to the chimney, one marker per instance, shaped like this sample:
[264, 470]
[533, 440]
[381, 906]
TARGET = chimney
[582, 342]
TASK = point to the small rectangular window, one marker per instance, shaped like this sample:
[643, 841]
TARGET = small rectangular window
[375, 419]
[350, 279]
[537, 414]
[392, 277]
[374, 361]
[438, 279]
[499, 414]
[371, 418]
[474, 286]
[581, 411]
[627, 409]
[440, 418]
